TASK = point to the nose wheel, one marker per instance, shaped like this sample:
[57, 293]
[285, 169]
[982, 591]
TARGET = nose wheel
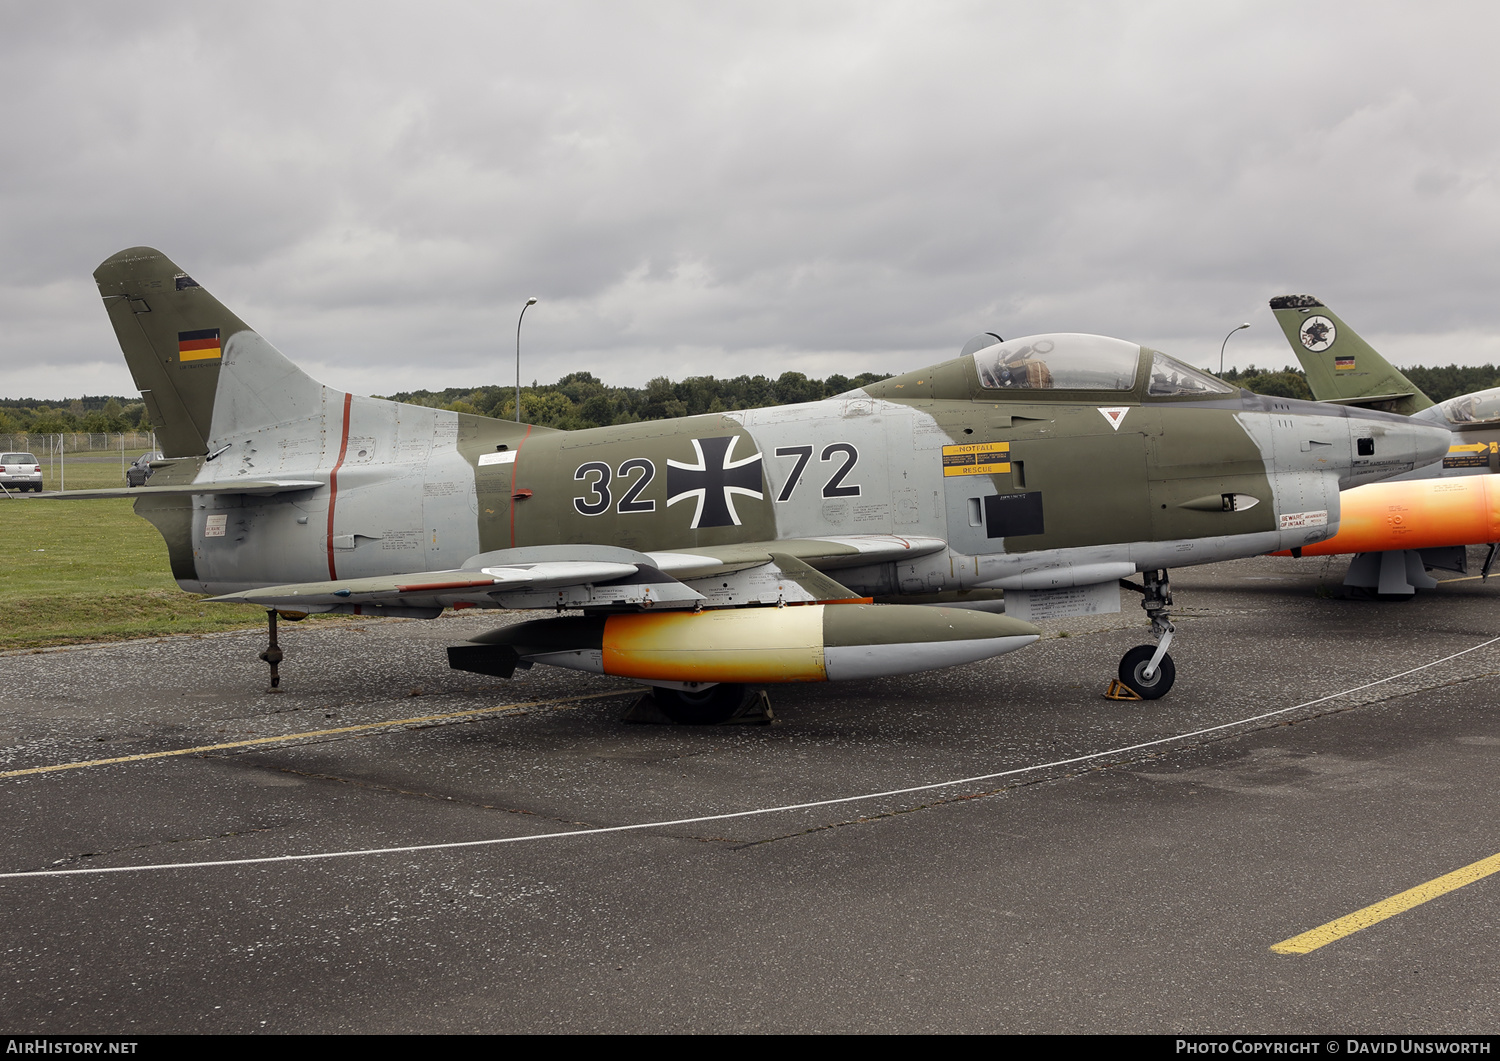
[1146, 670]
[1134, 668]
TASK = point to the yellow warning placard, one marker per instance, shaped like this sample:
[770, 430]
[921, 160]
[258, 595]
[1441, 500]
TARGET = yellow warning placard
[977, 458]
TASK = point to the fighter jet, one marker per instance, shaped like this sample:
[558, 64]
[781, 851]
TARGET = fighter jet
[1424, 518]
[713, 554]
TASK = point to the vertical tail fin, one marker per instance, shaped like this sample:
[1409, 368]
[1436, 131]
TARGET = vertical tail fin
[1341, 367]
[203, 373]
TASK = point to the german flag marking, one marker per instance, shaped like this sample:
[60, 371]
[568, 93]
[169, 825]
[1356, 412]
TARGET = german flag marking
[200, 345]
[1343, 362]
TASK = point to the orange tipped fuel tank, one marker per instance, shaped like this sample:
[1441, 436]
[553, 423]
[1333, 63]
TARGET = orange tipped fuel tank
[800, 643]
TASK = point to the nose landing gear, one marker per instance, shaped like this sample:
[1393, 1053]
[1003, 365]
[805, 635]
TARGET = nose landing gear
[1146, 670]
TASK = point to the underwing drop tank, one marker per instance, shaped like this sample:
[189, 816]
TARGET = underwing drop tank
[799, 643]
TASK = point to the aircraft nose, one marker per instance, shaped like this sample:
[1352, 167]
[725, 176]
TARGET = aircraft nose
[1432, 443]
[1383, 444]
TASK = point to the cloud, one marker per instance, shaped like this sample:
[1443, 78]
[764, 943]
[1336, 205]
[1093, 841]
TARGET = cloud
[744, 187]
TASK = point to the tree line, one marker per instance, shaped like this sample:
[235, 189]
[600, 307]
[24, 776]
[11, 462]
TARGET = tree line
[1438, 383]
[580, 400]
[97, 414]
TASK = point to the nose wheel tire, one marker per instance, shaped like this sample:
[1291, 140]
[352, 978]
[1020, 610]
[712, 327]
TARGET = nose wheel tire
[702, 707]
[1133, 670]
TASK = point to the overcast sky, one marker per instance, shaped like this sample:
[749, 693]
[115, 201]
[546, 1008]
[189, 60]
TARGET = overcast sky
[722, 188]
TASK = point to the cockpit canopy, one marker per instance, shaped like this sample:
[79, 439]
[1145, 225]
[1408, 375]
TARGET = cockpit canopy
[1074, 361]
[1059, 362]
[1481, 407]
[1065, 366]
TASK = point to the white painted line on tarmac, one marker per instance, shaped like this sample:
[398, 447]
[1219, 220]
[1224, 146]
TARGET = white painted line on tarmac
[759, 811]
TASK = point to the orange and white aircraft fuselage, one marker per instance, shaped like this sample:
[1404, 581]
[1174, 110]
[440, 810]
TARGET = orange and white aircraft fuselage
[1415, 514]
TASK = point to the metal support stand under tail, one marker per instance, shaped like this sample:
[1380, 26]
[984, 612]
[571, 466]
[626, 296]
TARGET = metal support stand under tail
[1147, 670]
[272, 654]
[1489, 560]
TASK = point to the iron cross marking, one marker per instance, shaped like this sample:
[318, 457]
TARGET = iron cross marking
[714, 481]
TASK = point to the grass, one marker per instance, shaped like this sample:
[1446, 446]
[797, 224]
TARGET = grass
[80, 571]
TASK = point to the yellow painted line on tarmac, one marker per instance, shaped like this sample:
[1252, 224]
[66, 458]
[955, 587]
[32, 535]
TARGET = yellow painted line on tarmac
[366, 727]
[1396, 904]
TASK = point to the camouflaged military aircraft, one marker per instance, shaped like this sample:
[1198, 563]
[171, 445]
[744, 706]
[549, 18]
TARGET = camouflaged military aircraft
[717, 553]
[1425, 518]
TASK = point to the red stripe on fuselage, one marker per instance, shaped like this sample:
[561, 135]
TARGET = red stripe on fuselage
[333, 485]
[514, 466]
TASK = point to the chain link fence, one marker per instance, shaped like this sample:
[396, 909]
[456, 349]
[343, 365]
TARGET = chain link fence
[84, 450]
[133, 442]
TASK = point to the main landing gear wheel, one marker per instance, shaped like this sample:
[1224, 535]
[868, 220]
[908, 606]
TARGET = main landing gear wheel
[1133, 672]
[702, 707]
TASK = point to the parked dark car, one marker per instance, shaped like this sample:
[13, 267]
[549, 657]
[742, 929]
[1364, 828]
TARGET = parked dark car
[20, 471]
[140, 470]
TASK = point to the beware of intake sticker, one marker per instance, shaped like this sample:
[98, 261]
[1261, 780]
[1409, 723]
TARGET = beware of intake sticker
[1297, 520]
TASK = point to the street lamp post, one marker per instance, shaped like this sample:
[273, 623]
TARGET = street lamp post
[1222, 345]
[529, 303]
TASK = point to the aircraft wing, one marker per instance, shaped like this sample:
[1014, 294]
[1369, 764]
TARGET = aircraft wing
[583, 576]
[436, 588]
[258, 487]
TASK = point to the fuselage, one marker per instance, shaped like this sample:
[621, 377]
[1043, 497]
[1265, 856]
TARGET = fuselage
[1112, 460]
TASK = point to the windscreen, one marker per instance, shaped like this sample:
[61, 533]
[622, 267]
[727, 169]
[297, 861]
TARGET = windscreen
[1170, 378]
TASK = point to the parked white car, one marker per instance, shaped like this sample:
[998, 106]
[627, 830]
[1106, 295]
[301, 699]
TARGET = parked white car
[20, 471]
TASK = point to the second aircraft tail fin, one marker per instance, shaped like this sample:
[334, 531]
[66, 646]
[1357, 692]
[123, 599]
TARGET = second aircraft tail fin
[1341, 367]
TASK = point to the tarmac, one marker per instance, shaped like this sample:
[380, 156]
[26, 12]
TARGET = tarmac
[991, 848]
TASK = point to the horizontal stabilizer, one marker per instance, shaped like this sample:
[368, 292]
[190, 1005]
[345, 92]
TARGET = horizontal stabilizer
[1371, 401]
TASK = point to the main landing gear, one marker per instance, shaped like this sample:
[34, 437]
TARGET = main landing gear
[1146, 670]
[711, 705]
